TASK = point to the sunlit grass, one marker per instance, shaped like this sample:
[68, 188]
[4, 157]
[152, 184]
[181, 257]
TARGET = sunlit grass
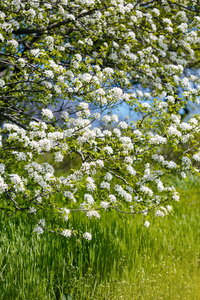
[124, 260]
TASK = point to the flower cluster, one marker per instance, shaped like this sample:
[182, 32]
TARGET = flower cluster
[59, 93]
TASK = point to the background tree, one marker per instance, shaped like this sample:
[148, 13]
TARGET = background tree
[90, 53]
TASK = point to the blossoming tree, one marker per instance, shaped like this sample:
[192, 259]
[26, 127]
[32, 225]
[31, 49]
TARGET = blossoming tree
[80, 58]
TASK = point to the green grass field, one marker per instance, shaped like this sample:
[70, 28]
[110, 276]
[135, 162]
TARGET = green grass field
[124, 260]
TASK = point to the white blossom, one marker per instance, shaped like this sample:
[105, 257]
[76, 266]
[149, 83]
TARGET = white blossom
[108, 149]
[38, 229]
[112, 198]
[146, 224]
[93, 213]
[47, 113]
[89, 198]
[67, 233]
[58, 156]
[87, 236]
[123, 125]
[104, 204]
[2, 83]
[105, 185]
[197, 156]
[3, 185]
[32, 210]
[108, 176]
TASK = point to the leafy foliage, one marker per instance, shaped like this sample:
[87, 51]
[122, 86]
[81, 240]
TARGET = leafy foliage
[67, 64]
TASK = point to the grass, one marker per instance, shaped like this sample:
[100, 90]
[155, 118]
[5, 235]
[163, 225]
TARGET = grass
[124, 260]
